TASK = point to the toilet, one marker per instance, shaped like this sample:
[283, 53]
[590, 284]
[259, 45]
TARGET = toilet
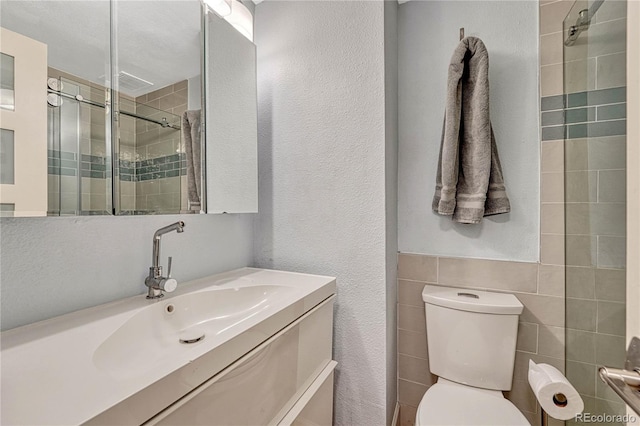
[471, 336]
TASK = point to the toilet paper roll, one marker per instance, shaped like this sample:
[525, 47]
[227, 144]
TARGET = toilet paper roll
[554, 392]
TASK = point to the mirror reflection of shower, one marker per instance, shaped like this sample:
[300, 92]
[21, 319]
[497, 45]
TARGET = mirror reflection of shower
[151, 161]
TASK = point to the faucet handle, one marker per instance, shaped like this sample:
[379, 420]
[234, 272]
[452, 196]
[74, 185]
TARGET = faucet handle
[168, 285]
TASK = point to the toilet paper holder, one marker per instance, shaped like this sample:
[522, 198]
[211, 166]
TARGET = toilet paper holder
[626, 382]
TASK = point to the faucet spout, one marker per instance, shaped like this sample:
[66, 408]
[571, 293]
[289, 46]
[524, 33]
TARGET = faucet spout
[178, 227]
[155, 281]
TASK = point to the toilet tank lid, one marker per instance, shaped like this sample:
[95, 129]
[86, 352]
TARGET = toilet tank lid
[472, 300]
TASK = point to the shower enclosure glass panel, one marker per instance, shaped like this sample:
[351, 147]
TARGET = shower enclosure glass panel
[79, 164]
[595, 197]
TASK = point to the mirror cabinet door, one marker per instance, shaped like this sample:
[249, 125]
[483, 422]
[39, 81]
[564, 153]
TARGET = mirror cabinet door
[232, 123]
[157, 80]
[59, 120]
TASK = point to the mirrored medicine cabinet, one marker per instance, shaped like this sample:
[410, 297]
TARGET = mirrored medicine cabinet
[125, 107]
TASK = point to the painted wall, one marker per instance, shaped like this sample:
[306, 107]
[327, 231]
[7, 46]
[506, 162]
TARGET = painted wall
[391, 177]
[52, 266]
[428, 34]
[324, 178]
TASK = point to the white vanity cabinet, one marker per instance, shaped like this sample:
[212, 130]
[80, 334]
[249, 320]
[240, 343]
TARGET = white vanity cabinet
[288, 379]
[263, 357]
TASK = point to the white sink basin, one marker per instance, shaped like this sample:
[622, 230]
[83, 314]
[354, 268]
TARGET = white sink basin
[124, 360]
[152, 336]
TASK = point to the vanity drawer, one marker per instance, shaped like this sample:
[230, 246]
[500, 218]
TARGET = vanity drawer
[262, 386]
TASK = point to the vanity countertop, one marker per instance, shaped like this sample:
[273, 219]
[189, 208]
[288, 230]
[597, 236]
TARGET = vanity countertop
[62, 371]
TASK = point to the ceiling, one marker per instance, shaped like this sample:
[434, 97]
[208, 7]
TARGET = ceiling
[157, 41]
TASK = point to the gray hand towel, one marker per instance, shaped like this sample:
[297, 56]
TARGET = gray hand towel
[469, 184]
[191, 138]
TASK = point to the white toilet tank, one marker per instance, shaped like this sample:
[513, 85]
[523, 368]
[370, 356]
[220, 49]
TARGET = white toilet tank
[472, 335]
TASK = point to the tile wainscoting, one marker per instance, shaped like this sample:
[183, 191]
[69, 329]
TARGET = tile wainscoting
[539, 287]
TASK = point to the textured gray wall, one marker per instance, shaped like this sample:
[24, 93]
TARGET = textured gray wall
[323, 178]
[52, 266]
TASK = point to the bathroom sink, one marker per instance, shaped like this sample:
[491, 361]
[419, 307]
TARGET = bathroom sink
[123, 362]
[174, 326]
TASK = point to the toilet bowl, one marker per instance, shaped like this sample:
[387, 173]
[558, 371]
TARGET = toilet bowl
[450, 403]
[471, 337]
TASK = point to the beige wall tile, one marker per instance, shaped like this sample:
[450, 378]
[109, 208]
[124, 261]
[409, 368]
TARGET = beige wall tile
[551, 48]
[607, 37]
[551, 341]
[522, 396]
[552, 15]
[580, 250]
[171, 184]
[551, 80]
[612, 185]
[159, 93]
[552, 249]
[610, 350]
[581, 282]
[410, 393]
[527, 337]
[552, 218]
[417, 267]
[407, 415]
[581, 314]
[616, 9]
[552, 156]
[581, 346]
[582, 376]
[581, 187]
[610, 284]
[552, 187]
[415, 370]
[578, 218]
[547, 310]
[412, 344]
[551, 280]
[607, 153]
[611, 70]
[608, 219]
[611, 252]
[489, 274]
[576, 154]
[410, 292]
[580, 75]
[610, 407]
[147, 187]
[412, 318]
[611, 318]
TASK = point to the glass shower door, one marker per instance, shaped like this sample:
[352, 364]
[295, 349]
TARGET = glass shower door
[595, 199]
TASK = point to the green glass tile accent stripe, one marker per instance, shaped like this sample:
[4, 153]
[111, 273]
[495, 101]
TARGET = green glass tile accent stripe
[550, 103]
[98, 167]
[552, 118]
[598, 129]
[612, 112]
[594, 113]
[552, 133]
[579, 115]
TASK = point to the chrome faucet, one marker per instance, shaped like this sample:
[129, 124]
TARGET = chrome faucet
[155, 281]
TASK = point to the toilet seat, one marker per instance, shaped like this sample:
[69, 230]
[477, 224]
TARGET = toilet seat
[450, 403]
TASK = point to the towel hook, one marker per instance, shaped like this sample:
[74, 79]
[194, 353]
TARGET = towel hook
[461, 33]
